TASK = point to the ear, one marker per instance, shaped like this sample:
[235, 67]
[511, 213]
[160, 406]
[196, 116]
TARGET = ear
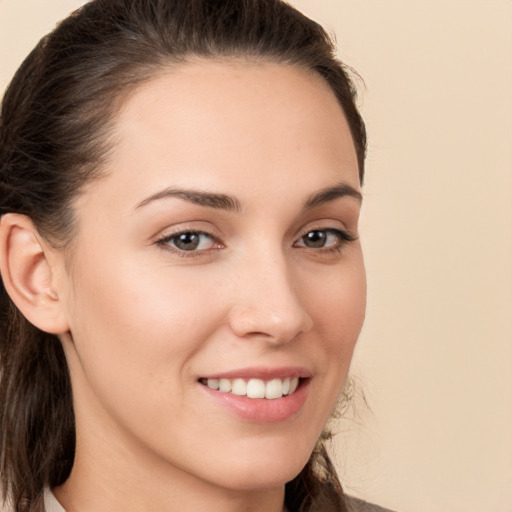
[27, 274]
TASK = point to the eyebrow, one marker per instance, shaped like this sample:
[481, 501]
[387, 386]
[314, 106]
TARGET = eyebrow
[229, 203]
[331, 193]
[208, 199]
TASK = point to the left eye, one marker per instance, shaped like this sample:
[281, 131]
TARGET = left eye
[323, 239]
[189, 241]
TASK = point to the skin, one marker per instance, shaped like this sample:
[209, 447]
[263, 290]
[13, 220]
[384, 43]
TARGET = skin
[144, 320]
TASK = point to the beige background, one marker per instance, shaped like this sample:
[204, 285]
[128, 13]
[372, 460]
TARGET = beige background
[435, 357]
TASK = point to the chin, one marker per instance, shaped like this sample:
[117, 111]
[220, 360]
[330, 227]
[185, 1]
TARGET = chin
[263, 473]
[267, 479]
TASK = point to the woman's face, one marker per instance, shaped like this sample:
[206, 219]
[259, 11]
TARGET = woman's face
[220, 249]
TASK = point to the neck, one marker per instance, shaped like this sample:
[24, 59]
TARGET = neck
[78, 498]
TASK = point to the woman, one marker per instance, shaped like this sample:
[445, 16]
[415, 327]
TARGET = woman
[184, 285]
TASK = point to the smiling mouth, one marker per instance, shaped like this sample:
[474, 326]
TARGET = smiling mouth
[255, 388]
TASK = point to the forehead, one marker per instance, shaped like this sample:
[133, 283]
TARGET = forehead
[233, 124]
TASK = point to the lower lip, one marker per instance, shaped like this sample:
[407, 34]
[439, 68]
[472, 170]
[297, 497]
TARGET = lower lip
[261, 410]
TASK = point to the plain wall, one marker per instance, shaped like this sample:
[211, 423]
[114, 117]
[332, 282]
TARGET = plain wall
[435, 356]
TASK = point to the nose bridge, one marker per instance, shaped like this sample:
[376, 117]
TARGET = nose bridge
[266, 302]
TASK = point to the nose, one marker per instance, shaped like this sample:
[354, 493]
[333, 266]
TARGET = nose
[266, 303]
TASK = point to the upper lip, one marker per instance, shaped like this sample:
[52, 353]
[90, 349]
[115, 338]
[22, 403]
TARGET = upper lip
[263, 373]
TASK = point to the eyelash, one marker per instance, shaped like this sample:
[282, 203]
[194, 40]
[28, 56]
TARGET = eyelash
[344, 237]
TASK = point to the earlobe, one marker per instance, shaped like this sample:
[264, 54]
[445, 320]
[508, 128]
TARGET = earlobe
[27, 274]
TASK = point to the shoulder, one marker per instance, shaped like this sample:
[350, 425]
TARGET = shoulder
[357, 505]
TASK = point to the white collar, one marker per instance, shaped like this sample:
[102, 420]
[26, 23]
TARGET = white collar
[50, 502]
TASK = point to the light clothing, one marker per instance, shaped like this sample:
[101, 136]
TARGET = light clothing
[50, 502]
[354, 505]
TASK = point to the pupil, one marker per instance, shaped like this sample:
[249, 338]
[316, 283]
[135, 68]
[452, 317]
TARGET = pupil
[187, 241]
[316, 239]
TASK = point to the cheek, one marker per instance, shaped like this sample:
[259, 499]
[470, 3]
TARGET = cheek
[146, 304]
[337, 305]
[337, 302]
[143, 328]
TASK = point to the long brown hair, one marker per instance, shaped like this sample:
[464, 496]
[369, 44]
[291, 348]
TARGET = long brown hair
[54, 136]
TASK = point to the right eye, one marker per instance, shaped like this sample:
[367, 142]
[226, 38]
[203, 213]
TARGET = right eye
[189, 241]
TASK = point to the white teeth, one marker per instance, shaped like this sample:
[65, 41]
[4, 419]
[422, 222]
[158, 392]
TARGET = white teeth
[213, 383]
[239, 387]
[274, 389]
[286, 386]
[224, 385]
[255, 388]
